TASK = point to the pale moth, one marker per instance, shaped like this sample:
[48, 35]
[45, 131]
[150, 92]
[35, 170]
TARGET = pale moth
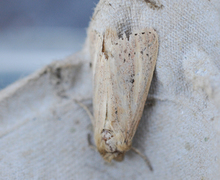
[122, 72]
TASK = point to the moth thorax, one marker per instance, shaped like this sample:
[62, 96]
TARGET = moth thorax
[110, 150]
[109, 140]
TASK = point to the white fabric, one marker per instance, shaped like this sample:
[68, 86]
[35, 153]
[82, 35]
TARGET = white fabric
[43, 133]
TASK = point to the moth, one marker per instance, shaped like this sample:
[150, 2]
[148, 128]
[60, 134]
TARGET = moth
[122, 72]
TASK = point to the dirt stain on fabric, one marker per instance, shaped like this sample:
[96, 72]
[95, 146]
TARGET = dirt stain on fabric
[153, 5]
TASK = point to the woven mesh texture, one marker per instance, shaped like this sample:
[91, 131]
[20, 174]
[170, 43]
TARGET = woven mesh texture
[43, 133]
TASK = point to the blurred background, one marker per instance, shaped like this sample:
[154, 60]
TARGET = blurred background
[37, 32]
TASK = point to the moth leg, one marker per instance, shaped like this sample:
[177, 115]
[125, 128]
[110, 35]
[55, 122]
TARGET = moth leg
[149, 102]
[86, 109]
[90, 143]
[144, 157]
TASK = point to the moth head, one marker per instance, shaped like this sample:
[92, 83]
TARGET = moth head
[111, 146]
[108, 156]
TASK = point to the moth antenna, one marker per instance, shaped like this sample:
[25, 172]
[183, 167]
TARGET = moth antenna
[90, 143]
[144, 157]
[86, 109]
[91, 117]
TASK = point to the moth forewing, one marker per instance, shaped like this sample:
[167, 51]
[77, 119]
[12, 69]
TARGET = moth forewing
[122, 73]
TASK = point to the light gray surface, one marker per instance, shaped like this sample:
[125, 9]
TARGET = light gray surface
[43, 133]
